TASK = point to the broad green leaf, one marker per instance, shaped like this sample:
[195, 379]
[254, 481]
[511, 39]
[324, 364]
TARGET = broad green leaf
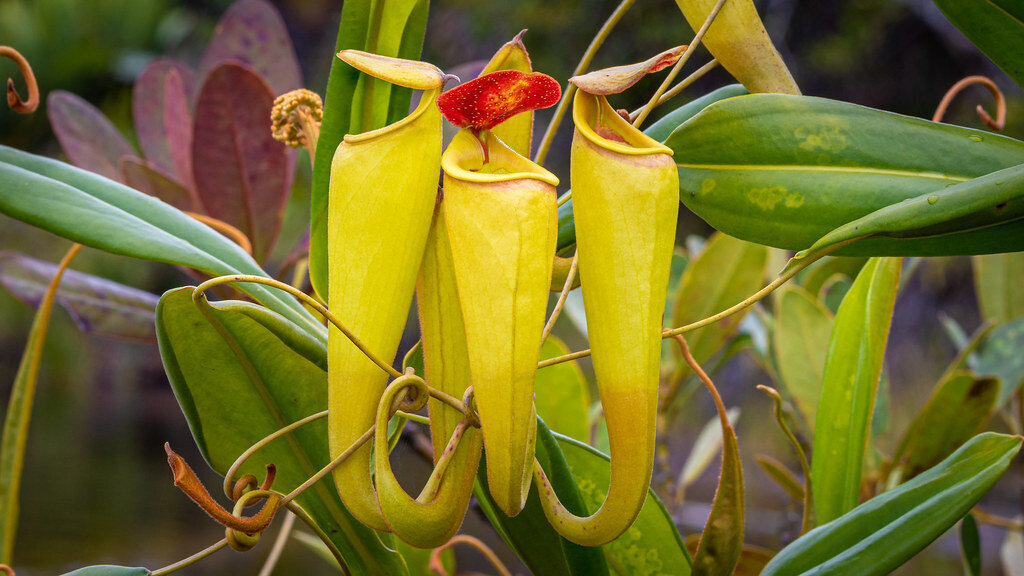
[726, 272]
[970, 546]
[853, 367]
[529, 534]
[980, 216]
[958, 409]
[782, 476]
[653, 545]
[562, 395]
[786, 170]
[660, 130]
[108, 571]
[371, 26]
[997, 280]
[884, 532]
[97, 305]
[994, 26]
[100, 213]
[149, 178]
[999, 355]
[738, 40]
[802, 325]
[240, 372]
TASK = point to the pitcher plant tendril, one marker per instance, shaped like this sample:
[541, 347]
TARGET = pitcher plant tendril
[997, 94]
[14, 100]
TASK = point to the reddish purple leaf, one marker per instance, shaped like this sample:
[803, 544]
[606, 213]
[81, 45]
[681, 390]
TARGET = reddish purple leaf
[149, 178]
[242, 174]
[161, 103]
[252, 32]
[97, 305]
[88, 138]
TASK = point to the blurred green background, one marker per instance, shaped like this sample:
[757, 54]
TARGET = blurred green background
[96, 486]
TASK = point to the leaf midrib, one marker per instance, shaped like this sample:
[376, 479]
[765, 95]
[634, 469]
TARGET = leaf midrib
[827, 169]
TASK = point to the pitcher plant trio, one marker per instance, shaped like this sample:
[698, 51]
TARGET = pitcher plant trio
[288, 379]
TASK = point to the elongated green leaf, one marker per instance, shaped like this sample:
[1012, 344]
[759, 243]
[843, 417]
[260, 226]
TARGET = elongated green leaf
[561, 394]
[997, 281]
[970, 546]
[108, 571]
[817, 275]
[958, 408]
[536, 543]
[240, 373]
[652, 546]
[722, 540]
[980, 216]
[97, 305]
[786, 170]
[393, 28]
[994, 26]
[100, 213]
[802, 324]
[726, 272]
[882, 533]
[782, 476]
[853, 367]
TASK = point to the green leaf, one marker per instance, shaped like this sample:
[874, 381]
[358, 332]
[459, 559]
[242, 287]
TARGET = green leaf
[853, 367]
[958, 409]
[970, 546]
[726, 272]
[817, 275]
[529, 534]
[97, 305]
[997, 280]
[562, 395]
[782, 476]
[652, 546]
[994, 26]
[722, 540]
[241, 372]
[884, 532]
[999, 356]
[418, 559]
[108, 571]
[979, 216]
[100, 213]
[705, 448]
[786, 170]
[393, 28]
[802, 324]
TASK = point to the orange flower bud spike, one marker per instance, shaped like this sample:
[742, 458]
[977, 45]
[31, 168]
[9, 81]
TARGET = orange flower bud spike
[382, 194]
[625, 203]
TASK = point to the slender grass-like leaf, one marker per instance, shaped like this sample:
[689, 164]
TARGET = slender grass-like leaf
[802, 324]
[884, 532]
[853, 367]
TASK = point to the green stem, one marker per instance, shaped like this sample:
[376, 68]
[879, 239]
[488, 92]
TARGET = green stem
[656, 98]
[686, 82]
[569, 279]
[279, 543]
[301, 514]
[588, 57]
[19, 412]
[808, 520]
[191, 559]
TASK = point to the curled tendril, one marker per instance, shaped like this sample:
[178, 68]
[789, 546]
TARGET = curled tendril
[13, 99]
[242, 531]
[7, 570]
[469, 408]
[437, 564]
[997, 94]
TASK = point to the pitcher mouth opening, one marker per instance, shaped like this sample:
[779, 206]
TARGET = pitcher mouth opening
[464, 159]
[600, 124]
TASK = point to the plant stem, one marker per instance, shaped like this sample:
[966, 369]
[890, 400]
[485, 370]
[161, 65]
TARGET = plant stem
[569, 279]
[229, 477]
[655, 99]
[191, 559]
[330, 466]
[588, 57]
[693, 77]
[437, 565]
[19, 412]
[279, 543]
